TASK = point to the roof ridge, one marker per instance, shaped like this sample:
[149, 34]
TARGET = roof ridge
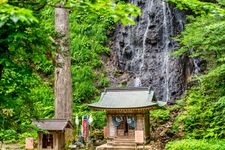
[126, 88]
[53, 124]
[50, 120]
[129, 97]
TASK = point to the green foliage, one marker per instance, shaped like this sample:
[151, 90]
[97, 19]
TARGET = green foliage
[191, 144]
[97, 135]
[27, 134]
[88, 42]
[22, 45]
[118, 10]
[27, 56]
[163, 115]
[21, 94]
[99, 117]
[203, 114]
[160, 114]
[158, 117]
[199, 7]
[12, 15]
[8, 135]
[23, 59]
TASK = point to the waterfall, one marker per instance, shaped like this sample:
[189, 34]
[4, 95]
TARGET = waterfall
[196, 63]
[143, 50]
[197, 68]
[149, 11]
[137, 82]
[166, 37]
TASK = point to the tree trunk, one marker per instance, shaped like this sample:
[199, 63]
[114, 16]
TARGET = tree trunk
[63, 82]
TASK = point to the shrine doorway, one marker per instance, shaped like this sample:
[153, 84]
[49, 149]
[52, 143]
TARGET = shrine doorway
[125, 125]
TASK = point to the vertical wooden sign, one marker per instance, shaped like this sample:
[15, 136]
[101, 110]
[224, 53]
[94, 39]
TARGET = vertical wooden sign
[105, 132]
[139, 136]
[112, 131]
[29, 143]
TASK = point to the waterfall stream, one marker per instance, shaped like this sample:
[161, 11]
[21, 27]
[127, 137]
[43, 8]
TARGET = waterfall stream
[143, 50]
[165, 65]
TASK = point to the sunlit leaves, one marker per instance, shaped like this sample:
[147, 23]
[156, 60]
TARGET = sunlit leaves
[3, 1]
[116, 9]
[11, 13]
[199, 8]
[7, 112]
[193, 144]
[119, 11]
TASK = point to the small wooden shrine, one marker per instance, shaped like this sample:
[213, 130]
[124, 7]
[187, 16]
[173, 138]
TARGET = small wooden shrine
[52, 136]
[127, 114]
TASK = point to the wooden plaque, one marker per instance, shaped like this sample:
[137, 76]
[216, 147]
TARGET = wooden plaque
[112, 131]
[105, 132]
[29, 143]
[139, 136]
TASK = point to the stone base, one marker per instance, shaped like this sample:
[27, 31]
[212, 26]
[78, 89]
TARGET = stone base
[120, 147]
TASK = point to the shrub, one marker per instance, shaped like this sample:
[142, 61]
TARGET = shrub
[160, 115]
[192, 144]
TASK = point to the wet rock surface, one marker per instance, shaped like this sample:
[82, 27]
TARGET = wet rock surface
[143, 52]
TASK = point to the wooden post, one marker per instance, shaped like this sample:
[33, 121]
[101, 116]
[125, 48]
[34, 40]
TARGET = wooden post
[63, 82]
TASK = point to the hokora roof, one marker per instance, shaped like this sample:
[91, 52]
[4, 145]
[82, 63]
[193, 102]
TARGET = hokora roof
[53, 124]
[125, 98]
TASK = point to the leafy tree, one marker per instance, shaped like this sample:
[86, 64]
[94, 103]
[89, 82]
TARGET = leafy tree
[23, 57]
[10, 16]
[27, 56]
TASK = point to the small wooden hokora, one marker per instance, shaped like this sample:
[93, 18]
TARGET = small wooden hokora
[52, 134]
[127, 112]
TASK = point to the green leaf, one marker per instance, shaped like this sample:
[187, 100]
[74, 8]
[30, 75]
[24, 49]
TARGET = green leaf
[14, 19]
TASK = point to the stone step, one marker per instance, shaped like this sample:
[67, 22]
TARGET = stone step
[123, 142]
[111, 147]
[124, 139]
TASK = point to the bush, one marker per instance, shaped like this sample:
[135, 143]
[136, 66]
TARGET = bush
[160, 115]
[8, 135]
[192, 144]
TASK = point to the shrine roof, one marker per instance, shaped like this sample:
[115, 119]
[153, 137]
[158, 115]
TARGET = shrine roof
[53, 124]
[125, 98]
